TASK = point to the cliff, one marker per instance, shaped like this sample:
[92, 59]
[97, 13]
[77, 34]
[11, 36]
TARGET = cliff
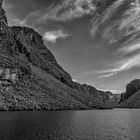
[31, 78]
[131, 98]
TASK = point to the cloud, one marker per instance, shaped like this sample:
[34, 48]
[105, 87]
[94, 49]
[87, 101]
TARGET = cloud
[118, 22]
[63, 12]
[104, 18]
[52, 36]
[123, 65]
[108, 75]
[131, 48]
[15, 21]
[74, 80]
[131, 18]
[117, 67]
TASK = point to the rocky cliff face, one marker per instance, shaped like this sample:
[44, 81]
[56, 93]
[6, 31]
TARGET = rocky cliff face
[131, 98]
[31, 78]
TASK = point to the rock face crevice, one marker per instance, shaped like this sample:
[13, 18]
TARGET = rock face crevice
[31, 78]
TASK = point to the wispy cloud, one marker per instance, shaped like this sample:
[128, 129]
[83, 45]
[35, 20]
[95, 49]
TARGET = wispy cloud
[74, 80]
[120, 23]
[119, 20]
[117, 67]
[65, 11]
[122, 66]
[108, 74]
[16, 21]
[104, 19]
[52, 36]
[131, 18]
[131, 48]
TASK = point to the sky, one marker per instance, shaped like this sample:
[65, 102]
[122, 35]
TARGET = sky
[96, 41]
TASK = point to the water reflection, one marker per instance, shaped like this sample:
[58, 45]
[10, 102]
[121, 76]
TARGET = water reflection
[115, 124]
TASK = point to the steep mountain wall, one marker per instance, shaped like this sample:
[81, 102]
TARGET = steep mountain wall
[131, 98]
[31, 78]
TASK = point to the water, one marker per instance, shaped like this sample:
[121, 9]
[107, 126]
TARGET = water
[117, 124]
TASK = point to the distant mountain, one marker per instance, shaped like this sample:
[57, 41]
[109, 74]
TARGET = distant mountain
[131, 98]
[31, 78]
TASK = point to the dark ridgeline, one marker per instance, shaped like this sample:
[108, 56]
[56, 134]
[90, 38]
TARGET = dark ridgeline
[31, 78]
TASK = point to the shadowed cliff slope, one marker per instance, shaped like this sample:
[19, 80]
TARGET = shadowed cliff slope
[31, 78]
[131, 98]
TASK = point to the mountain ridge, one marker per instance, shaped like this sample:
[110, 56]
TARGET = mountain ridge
[31, 78]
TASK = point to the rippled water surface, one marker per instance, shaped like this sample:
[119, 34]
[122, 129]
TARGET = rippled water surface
[117, 124]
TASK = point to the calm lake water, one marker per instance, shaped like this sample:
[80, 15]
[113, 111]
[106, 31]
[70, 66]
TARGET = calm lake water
[117, 124]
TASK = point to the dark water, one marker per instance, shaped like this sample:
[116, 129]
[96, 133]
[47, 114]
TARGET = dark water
[117, 124]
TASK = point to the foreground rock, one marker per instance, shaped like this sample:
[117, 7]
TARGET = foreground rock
[31, 78]
[131, 98]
